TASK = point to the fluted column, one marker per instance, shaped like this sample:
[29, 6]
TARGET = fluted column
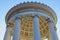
[16, 32]
[53, 34]
[7, 34]
[36, 28]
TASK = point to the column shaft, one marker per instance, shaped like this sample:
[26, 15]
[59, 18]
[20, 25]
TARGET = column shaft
[7, 34]
[16, 33]
[36, 28]
[52, 31]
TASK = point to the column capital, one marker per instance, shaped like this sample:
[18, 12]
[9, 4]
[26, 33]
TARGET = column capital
[35, 16]
[17, 17]
[55, 28]
[49, 21]
[10, 24]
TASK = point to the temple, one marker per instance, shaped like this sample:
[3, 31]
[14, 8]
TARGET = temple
[31, 21]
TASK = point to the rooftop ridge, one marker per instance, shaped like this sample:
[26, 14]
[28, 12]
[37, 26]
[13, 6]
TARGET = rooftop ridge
[29, 3]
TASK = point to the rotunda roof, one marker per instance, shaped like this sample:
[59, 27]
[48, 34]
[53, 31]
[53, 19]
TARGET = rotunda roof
[34, 5]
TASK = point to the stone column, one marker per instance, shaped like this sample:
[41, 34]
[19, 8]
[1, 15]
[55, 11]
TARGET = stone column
[16, 32]
[53, 34]
[49, 36]
[36, 28]
[7, 33]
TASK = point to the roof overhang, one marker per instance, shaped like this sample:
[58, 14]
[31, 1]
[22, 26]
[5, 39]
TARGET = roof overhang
[31, 5]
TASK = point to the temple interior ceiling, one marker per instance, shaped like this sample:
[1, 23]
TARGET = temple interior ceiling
[44, 30]
[27, 29]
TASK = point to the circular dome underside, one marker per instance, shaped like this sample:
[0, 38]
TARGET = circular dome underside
[28, 6]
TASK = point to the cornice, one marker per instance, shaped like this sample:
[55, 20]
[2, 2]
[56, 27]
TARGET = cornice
[28, 5]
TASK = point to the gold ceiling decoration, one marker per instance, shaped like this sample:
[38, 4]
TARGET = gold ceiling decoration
[43, 27]
[26, 28]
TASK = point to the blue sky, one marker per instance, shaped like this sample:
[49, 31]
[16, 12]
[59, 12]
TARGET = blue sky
[5, 5]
